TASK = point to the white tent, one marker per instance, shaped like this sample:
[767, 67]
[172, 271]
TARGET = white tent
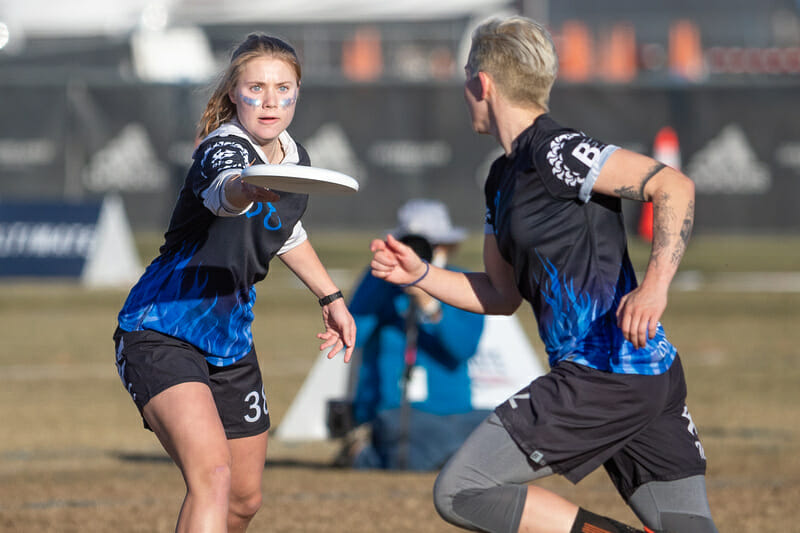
[95, 17]
[503, 364]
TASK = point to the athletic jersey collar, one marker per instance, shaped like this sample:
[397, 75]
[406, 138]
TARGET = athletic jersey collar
[527, 134]
[235, 129]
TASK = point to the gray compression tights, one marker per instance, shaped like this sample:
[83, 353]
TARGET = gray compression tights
[484, 485]
[680, 505]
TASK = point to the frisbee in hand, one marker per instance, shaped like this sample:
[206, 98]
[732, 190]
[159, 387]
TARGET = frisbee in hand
[299, 178]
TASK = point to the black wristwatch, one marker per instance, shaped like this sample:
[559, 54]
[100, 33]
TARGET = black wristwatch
[325, 300]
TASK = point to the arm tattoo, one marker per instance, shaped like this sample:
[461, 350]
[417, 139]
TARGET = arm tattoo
[630, 193]
[627, 192]
[653, 171]
[686, 231]
[665, 218]
[662, 218]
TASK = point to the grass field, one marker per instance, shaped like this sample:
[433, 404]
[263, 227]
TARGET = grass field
[74, 458]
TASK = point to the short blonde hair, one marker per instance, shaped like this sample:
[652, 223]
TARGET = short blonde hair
[520, 56]
[219, 108]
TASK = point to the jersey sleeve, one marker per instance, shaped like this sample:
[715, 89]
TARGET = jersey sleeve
[298, 237]
[220, 157]
[216, 161]
[569, 164]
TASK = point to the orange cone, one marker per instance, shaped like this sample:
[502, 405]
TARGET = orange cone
[667, 151]
[646, 222]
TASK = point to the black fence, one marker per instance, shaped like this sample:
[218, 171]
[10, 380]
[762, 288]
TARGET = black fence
[741, 145]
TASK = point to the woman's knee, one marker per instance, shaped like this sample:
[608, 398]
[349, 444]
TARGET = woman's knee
[213, 479]
[245, 505]
[208, 477]
[248, 457]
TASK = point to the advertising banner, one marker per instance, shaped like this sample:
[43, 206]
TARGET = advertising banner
[90, 242]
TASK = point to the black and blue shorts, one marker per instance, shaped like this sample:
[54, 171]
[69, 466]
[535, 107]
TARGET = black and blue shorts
[150, 362]
[575, 419]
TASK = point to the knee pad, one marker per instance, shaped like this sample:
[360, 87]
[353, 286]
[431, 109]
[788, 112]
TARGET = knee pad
[445, 490]
[497, 508]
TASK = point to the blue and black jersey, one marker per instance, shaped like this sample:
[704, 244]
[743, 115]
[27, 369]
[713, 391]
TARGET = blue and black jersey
[201, 286]
[568, 248]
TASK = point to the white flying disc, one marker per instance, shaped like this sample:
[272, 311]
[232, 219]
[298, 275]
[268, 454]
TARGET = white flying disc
[299, 178]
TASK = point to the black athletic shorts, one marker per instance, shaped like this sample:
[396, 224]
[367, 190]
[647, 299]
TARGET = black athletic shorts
[576, 418]
[149, 362]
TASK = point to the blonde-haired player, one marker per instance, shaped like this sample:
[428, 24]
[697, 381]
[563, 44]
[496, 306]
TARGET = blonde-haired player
[615, 395]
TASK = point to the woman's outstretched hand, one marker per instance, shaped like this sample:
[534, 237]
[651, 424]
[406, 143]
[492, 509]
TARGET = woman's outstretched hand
[340, 330]
[395, 262]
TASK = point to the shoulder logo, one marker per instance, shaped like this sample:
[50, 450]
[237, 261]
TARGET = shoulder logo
[220, 155]
[555, 156]
[223, 158]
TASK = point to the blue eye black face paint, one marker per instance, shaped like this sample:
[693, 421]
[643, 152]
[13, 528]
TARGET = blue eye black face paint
[255, 102]
[286, 102]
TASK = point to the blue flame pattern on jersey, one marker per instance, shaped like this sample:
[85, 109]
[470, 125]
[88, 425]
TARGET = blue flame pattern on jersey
[579, 330]
[175, 297]
[201, 287]
[568, 248]
[572, 313]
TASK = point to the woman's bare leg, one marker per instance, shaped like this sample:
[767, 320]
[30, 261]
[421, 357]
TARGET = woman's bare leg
[186, 421]
[247, 466]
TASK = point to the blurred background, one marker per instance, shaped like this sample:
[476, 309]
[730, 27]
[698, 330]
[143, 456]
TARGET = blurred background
[98, 106]
[100, 98]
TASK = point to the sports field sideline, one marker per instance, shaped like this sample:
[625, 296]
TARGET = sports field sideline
[73, 455]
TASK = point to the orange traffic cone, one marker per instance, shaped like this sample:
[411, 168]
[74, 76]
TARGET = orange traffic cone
[646, 222]
[667, 151]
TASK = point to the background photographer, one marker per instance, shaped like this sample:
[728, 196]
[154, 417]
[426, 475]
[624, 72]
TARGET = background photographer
[413, 387]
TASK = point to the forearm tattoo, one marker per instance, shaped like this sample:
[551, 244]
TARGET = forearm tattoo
[630, 192]
[664, 219]
[663, 215]
[686, 232]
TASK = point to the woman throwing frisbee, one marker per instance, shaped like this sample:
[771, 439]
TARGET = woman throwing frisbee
[554, 237]
[184, 343]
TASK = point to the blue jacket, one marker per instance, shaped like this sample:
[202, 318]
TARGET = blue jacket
[443, 349]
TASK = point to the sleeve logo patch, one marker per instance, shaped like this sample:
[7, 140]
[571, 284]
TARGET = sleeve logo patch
[222, 155]
[572, 156]
[225, 158]
[555, 156]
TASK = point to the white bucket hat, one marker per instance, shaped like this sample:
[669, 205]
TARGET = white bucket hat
[429, 219]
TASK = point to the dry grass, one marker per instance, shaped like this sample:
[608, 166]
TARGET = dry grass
[73, 456]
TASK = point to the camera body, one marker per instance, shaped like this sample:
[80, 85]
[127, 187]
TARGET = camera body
[339, 418]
